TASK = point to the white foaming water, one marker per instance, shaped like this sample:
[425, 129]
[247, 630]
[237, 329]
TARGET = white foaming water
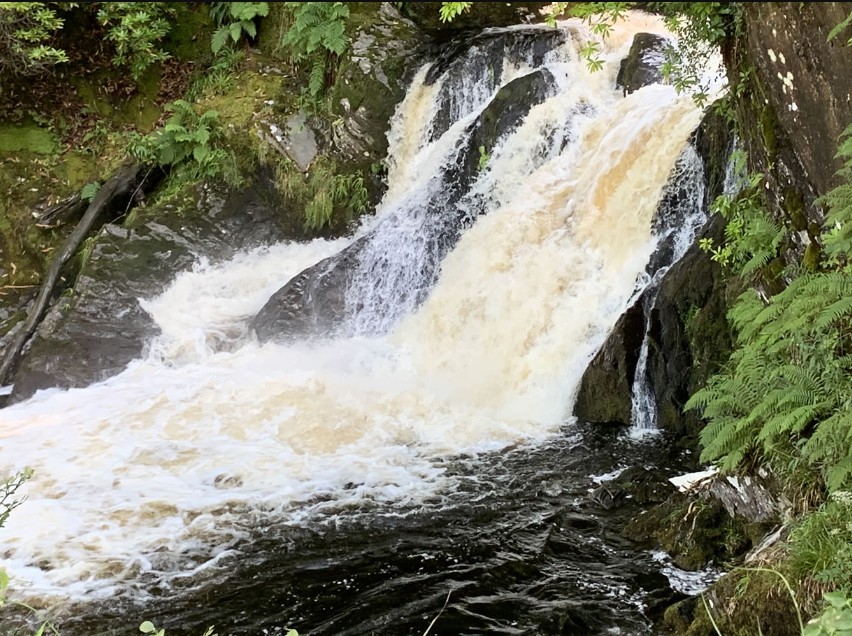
[157, 473]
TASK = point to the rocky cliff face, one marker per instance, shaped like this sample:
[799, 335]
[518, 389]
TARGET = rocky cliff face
[795, 99]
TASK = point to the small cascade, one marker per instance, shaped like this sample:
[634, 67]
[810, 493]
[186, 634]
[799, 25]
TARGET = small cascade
[682, 213]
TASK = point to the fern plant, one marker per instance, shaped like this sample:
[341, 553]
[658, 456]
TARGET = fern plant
[235, 19]
[317, 39]
[327, 196]
[190, 143]
[752, 238]
[786, 397]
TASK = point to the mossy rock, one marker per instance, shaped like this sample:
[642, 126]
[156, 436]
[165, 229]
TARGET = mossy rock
[743, 603]
[371, 81]
[482, 15]
[695, 531]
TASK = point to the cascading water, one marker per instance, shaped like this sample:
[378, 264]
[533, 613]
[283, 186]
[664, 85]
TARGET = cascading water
[152, 482]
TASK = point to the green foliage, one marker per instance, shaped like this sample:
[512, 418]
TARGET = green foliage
[234, 20]
[137, 29]
[838, 241]
[786, 396]
[324, 194]
[820, 545]
[192, 144]
[484, 158]
[450, 10]
[26, 31]
[601, 17]
[835, 619]
[837, 30]
[9, 499]
[90, 190]
[317, 38]
[342, 191]
[752, 238]
[699, 27]
[219, 77]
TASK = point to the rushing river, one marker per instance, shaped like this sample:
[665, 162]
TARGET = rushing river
[348, 483]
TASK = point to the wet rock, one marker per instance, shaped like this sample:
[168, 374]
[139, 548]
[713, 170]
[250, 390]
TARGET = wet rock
[312, 303]
[427, 16]
[371, 81]
[605, 394]
[97, 328]
[296, 141]
[638, 485]
[479, 60]
[643, 64]
[688, 334]
[798, 102]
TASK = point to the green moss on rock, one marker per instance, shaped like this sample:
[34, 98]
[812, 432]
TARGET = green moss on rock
[26, 137]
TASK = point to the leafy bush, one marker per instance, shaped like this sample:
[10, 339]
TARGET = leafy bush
[218, 78]
[820, 545]
[26, 29]
[189, 142]
[136, 29]
[752, 239]
[835, 619]
[235, 19]
[324, 194]
[449, 10]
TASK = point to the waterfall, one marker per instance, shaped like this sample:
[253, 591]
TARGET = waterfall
[486, 284]
[682, 215]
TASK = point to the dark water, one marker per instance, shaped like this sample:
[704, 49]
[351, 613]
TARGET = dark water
[521, 546]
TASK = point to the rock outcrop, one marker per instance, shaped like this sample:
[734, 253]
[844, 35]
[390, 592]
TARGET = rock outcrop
[97, 328]
[371, 81]
[796, 101]
[643, 64]
[607, 388]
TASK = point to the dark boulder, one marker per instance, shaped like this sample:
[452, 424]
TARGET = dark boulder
[427, 16]
[605, 393]
[312, 303]
[688, 334]
[643, 64]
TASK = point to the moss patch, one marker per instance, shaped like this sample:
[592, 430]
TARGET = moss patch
[28, 138]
